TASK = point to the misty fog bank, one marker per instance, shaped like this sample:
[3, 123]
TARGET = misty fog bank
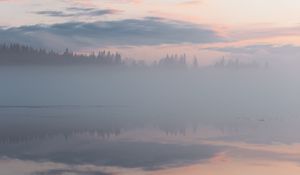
[205, 91]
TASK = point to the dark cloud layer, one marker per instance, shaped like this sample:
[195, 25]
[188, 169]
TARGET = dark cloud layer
[77, 12]
[53, 13]
[146, 31]
[74, 172]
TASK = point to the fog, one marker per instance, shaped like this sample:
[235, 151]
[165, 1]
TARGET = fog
[144, 119]
[211, 91]
[236, 100]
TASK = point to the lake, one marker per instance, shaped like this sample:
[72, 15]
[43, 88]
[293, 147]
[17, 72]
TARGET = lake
[102, 122]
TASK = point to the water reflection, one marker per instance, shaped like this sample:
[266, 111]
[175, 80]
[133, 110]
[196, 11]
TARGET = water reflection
[58, 140]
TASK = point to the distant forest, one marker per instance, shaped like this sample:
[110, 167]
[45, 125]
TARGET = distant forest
[18, 54]
[22, 54]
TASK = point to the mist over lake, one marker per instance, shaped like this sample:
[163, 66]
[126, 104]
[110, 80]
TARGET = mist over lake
[61, 119]
[148, 87]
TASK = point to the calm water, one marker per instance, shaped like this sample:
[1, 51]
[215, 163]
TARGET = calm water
[124, 124]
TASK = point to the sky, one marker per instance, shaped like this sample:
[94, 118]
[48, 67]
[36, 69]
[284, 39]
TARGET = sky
[149, 29]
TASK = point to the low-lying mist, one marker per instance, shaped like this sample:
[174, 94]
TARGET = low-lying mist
[210, 91]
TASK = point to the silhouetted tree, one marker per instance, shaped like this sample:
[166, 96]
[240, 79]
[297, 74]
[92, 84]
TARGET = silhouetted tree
[195, 62]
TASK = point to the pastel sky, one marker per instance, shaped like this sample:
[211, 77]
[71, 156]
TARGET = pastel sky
[149, 29]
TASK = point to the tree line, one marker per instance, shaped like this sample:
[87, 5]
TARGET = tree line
[22, 54]
[18, 54]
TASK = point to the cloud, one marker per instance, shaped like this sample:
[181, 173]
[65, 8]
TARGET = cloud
[261, 48]
[80, 9]
[77, 11]
[191, 2]
[67, 171]
[136, 32]
[89, 2]
[128, 1]
[53, 13]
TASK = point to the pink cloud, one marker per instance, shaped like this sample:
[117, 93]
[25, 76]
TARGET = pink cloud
[129, 1]
[192, 2]
[92, 2]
